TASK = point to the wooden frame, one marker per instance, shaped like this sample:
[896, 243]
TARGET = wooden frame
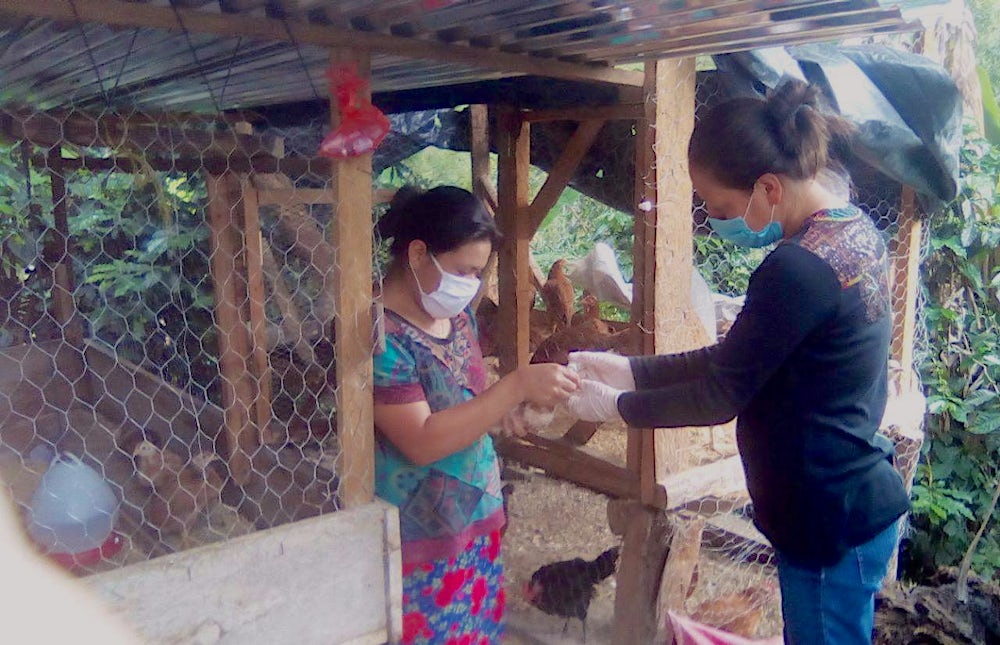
[657, 472]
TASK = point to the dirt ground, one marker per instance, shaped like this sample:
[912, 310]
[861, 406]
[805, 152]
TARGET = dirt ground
[552, 520]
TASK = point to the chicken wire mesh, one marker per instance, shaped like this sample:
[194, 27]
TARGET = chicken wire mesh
[168, 318]
[133, 277]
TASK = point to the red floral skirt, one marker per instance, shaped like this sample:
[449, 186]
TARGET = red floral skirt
[457, 600]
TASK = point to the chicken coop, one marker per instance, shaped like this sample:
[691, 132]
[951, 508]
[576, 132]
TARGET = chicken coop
[189, 288]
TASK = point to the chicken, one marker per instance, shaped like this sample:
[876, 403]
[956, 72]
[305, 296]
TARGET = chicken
[155, 464]
[558, 294]
[738, 613]
[179, 494]
[588, 333]
[565, 588]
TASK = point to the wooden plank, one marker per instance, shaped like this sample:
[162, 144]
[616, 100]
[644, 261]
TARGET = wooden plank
[125, 14]
[721, 479]
[230, 292]
[562, 171]
[562, 460]
[905, 280]
[329, 579]
[393, 567]
[644, 552]
[256, 299]
[626, 112]
[352, 242]
[516, 294]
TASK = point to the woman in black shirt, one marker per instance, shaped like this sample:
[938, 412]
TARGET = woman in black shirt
[804, 366]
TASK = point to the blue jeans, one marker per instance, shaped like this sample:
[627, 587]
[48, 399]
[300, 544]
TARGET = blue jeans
[835, 605]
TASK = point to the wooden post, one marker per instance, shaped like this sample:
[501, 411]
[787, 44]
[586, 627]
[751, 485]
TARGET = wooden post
[352, 243]
[663, 310]
[905, 281]
[69, 359]
[516, 294]
[638, 577]
[225, 194]
[483, 188]
[257, 316]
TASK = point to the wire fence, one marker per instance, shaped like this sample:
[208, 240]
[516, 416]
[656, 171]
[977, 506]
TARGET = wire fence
[169, 349]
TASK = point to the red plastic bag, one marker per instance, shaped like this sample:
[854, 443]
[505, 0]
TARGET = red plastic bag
[362, 125]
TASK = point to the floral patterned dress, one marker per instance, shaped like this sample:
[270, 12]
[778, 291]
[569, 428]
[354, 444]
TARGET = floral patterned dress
[450, 511]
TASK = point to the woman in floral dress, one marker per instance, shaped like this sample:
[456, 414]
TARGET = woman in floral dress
[433, 410]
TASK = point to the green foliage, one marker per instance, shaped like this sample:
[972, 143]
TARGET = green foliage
[725, 266]
[960, 371]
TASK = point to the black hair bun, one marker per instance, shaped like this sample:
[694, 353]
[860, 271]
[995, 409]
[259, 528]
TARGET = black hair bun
[388, 225]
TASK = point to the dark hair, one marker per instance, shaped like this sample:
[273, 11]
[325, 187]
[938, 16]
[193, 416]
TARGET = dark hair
[444, 218]
[787, 133]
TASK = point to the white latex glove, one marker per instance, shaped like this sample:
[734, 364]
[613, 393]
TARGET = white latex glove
[610, 369]
[595, 401]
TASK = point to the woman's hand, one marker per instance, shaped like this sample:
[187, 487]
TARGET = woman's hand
[610, 369]
[595, 401]
[547, 384]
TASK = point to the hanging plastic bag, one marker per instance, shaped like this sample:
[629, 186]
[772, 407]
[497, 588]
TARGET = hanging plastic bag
[362, 125]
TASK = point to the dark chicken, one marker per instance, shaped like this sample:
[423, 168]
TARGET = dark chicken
[566, 588]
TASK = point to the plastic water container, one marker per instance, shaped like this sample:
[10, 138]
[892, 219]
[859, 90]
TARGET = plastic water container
[73, 509]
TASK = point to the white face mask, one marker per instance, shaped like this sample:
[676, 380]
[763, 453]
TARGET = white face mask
[451, 297]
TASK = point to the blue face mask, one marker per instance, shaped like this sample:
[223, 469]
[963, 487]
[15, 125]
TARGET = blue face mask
[737, 231]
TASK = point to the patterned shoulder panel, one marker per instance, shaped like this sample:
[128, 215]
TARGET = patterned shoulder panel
[848, 241]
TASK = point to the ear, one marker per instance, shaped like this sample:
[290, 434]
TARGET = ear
[773, 188]
[416, 253]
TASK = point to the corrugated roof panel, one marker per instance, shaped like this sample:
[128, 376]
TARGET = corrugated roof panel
[52, 63]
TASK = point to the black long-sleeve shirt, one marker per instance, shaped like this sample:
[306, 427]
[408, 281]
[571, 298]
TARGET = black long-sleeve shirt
[804, 367]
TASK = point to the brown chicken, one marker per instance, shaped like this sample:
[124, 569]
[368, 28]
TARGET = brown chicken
[588, 333]
[540, 327]
[155, 464]
[738, 613]
[179, 495]
[557, 292]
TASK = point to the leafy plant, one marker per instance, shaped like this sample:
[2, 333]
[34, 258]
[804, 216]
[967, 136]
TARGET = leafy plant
[960, 370]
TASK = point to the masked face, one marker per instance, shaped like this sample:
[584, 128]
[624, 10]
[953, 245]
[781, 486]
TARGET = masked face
[737, 231]
[452, 295]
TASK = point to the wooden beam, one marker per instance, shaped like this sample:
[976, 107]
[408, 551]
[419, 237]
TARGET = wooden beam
[230, 292]
[127, 14]
[562, 171]
[266, 164]
[560, 459]
[723, 479]
[352, 242]
[516, 294]
[626, 112]
[126, 135]
[905, 280]
[580, 432]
